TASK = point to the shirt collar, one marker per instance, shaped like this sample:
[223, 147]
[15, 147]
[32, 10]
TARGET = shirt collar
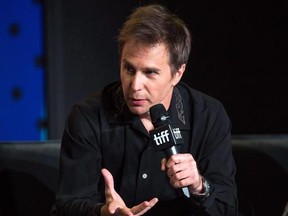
[179, 111]
[118, 113]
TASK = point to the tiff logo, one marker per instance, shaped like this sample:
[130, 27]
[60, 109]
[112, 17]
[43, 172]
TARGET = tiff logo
[161, 137]
[177, 133]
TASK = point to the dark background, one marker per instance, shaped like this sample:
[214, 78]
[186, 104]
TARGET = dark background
[54, 52]
[239, 55]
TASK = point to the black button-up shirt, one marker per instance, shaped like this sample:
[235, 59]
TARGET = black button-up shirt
[103, 133]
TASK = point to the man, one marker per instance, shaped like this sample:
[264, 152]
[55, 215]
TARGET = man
[108, 166]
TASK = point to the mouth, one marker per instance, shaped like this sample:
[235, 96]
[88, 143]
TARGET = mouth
[137, 102]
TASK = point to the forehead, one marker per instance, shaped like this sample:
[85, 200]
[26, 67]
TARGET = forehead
[143, 51]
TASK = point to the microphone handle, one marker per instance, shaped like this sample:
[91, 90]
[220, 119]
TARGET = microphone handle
[172, 151]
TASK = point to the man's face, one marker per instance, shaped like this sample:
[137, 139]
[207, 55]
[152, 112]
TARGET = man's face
[146, 76]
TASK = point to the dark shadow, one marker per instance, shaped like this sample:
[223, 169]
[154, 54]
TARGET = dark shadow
[22, 194]
[261, 182]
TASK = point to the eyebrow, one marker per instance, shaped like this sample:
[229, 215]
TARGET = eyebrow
[126, 62]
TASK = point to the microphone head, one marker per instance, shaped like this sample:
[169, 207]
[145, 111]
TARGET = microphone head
[159, 115]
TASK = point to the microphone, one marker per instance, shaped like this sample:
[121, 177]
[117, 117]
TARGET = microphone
[163, 136]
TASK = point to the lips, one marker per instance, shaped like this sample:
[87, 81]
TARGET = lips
[137, 102]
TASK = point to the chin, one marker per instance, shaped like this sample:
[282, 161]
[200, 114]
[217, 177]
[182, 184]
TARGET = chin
[139, 110]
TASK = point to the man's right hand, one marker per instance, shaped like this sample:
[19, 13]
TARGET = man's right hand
[114, 203]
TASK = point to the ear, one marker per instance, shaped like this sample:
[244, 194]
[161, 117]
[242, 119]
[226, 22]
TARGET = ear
[178, 75]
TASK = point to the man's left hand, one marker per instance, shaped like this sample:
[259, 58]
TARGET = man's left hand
[182, 171]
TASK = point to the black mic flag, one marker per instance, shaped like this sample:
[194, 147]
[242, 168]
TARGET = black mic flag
[163, 136]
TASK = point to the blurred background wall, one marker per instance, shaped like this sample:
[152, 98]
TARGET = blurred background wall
[54, 52]
[22, 72]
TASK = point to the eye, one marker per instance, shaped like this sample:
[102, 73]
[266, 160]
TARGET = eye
[151, 72]
[128, 68]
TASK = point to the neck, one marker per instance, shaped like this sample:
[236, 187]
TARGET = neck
[147, 122]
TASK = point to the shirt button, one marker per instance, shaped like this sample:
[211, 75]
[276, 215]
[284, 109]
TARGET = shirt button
[144, 175]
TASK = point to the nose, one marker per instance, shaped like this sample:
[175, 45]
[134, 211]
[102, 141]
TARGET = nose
[137, 82]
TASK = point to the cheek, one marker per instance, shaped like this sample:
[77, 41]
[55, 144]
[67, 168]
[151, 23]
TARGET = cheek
[158, 89]
[121, 76]
[124, 80]
[124, 87]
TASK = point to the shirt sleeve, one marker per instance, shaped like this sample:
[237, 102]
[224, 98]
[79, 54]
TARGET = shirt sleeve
[80, 165]
[216, 162]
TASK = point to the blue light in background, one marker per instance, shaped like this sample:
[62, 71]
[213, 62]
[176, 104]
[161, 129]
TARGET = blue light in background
[22, 78]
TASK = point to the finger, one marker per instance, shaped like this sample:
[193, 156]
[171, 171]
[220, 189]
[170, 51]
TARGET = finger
[180, 183]
[143, 207]
[174, 169]
[178, 158]
[108, 178]
[163, 164]
[183, 170]
[153, 202]
[124, 212]
[180, 162]
[110, 193]
[174, 159]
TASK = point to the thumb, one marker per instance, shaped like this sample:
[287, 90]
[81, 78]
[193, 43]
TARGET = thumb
[109, 181]
[110, 193]
[163, 164]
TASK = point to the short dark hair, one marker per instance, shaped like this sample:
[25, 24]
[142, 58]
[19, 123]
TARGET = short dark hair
[155, 24]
